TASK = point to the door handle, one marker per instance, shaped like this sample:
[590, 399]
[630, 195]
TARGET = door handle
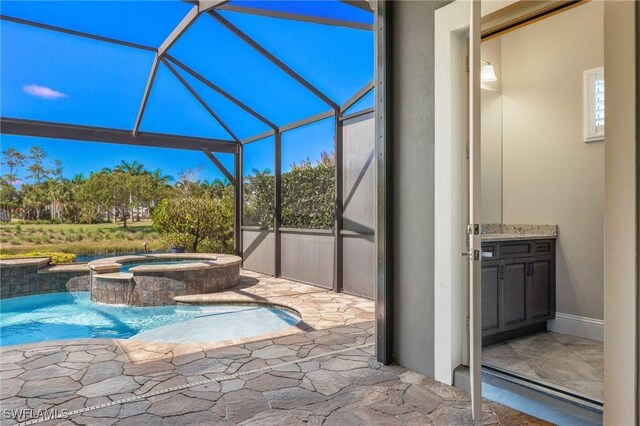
[473, 254]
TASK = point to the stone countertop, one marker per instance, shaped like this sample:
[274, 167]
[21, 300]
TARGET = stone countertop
[506, 232]
[516, 237]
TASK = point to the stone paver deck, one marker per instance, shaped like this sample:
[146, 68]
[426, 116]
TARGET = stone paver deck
[321, 373]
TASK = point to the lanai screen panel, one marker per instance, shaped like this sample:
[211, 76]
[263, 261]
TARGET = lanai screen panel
[333, 10]
[308, 209]
[258, 238]
[359, 185]
[145, 23]
[57, 77]
[336, 60]
[233, 72]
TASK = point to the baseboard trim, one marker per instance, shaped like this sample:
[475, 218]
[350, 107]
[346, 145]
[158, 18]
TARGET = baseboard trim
[589, 328]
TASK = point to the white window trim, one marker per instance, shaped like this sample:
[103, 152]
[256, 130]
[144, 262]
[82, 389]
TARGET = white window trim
[591, 134]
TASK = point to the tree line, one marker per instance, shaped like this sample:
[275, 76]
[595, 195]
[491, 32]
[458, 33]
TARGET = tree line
[125, 192]
[189, 212]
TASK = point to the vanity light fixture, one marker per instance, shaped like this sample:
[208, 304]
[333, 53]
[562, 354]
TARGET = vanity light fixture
[487, 74]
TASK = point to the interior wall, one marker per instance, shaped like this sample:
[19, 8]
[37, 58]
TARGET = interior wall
[491, 137]
[413, 184]
[491, 157]
[550, 176]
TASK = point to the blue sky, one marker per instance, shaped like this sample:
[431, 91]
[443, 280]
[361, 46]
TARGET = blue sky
[58, 77]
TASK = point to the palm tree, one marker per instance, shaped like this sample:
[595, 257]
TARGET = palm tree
[133, 168]
[13, 160]
[37, 170]
[214, 188]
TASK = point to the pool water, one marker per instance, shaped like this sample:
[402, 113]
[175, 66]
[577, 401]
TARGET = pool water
[125, 268]
[60, 316]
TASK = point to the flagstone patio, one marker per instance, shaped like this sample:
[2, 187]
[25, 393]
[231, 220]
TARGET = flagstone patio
[322, 372]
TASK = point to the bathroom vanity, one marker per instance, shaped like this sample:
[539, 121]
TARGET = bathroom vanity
[518, 281]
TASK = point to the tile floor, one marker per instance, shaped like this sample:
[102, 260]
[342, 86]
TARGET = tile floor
[323, 373]
[556, 359]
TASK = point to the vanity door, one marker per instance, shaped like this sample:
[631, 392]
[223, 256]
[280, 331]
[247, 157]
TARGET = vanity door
[542, 288]
[514, 275]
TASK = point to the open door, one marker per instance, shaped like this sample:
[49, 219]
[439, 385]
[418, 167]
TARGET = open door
[473, 230]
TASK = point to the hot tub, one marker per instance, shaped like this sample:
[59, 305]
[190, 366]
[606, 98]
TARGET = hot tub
[155, 279]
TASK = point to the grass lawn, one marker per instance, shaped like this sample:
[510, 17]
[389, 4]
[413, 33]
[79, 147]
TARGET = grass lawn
[81, 239]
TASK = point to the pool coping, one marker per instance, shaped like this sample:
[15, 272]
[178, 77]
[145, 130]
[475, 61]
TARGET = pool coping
[39, 262]
[201, 261]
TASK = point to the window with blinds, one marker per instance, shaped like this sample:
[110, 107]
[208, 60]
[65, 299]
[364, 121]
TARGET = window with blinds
[594, 105]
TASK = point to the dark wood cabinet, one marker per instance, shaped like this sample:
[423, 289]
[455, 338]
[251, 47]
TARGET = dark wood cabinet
[542, 289]
[514, 293]
[518, 288]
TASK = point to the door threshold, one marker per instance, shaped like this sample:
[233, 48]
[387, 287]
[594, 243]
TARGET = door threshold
[531, 398]
[556, 391]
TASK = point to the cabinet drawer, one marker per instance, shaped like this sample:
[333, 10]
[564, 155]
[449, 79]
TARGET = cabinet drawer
[543, 246]
[490, 251]
[515, 249]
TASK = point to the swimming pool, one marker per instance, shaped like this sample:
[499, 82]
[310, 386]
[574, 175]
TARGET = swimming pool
[60, 316]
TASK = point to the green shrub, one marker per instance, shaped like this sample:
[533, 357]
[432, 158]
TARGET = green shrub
[56, 256]
[18, 228]
[71, 238]
[190, 221]
[308, 192]
[16, 241]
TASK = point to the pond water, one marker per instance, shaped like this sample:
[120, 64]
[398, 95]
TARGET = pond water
[92, 257]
